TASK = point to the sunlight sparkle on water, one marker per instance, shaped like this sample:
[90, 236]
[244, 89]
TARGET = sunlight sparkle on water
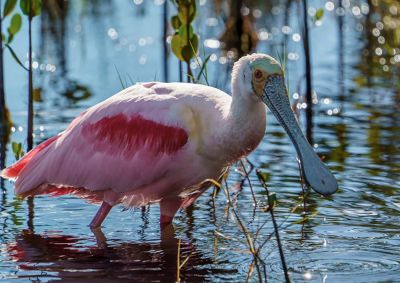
[296, 37]
[380, 25]
[212, 43]
[223, 60]
[213, 57]
[312, 11]
[245, 11]
[142, 42]
[257, 13]
[356, 11]
[293, 56]
[159, 2]
[346, 3]
[393, 10]
[340, 11]
[263, 34]
[286, 29]
[212, 22]
[378, 51]
[307, 275]
[376, 32]
[276, 10]
[365, 8]
[112, 33]
[142, 59]
[330, 6]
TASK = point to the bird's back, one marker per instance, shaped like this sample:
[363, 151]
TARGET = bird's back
[137, 140]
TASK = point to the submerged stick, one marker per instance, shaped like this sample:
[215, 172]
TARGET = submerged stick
[306, 44]
[248, 180]
[278, 240]
[30, 90]
[3, 122]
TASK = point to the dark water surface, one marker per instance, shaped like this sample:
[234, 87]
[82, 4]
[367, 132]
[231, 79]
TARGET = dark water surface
[352, 236]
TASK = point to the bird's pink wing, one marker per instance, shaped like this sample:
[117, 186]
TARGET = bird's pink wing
[121, 144]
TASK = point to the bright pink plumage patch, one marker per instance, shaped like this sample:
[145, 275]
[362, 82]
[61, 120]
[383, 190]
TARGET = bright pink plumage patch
[122, 134]
[14, 170]
[53, 190]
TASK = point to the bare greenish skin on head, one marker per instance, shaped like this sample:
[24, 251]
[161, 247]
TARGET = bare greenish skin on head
[267, 64]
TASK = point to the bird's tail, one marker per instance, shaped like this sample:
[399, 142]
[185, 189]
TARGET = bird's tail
[13, 171]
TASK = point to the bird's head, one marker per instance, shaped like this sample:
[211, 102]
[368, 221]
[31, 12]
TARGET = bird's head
[261, 78]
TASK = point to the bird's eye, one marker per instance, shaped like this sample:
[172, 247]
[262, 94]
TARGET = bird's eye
[258, 74]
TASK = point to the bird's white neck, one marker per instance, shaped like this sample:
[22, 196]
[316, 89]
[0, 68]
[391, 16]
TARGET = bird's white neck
[244, 126]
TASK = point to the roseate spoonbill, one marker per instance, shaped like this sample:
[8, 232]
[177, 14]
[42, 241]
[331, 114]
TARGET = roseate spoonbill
[158, 142]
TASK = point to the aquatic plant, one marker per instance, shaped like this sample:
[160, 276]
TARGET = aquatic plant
[5, 41]
[185, 42]
[30, 8]
[307, 55]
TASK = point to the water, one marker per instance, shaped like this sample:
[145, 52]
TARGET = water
[351, 236]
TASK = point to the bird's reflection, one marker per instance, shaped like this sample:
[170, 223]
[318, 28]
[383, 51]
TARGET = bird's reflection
[70, 257]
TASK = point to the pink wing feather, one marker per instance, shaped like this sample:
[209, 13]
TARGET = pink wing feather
[124, 143]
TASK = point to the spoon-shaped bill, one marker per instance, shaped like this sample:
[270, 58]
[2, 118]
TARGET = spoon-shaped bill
[315, 173]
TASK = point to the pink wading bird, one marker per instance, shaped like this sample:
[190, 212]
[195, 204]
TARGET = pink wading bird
[159, 142]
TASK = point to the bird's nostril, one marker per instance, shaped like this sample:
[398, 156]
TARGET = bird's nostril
[323, 182]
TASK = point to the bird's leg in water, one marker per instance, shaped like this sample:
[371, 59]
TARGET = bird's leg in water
[100, 215]
[101, 239]
[168, 208]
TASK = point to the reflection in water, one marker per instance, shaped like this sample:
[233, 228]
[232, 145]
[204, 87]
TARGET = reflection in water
[239, 36]
[54, 41]
[67, 257]
[381, 53]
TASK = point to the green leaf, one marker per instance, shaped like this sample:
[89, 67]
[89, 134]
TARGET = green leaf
[175, 22]
[9, 7]
[183, 32]
[264, 176]
[10, 38]
[272, 199]
[14, 55]
[188, 51]
[3, 37]
[319, 14]
[17, 150]
[37, 95]
[15, 26]
[25, 6]
[176, 46]
[186, 11]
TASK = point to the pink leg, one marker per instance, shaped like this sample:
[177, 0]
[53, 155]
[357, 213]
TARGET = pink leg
[168, 208]
[100, 215]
